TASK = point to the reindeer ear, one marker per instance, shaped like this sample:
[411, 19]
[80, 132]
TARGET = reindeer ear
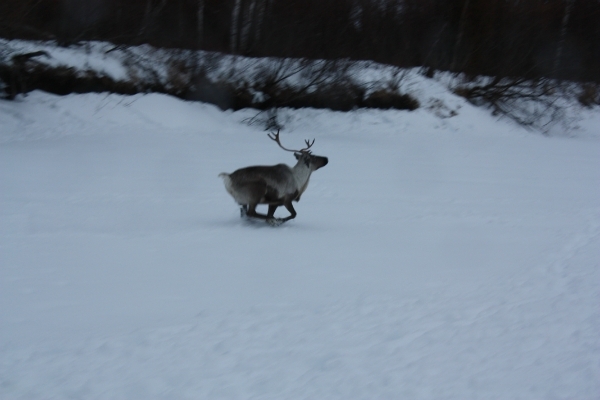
[297, 155]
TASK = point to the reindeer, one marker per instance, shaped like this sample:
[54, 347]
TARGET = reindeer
[276, 185]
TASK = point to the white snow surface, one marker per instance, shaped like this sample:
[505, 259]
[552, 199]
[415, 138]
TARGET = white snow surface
[432, 258]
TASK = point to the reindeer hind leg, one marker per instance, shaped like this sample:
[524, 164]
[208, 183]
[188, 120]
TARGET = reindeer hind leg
[255, 192]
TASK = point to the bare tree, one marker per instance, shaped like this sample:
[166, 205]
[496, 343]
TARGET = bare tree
[459, 37]
[247, 22]
[562, 38]
[260, 16]
[200, 24]
[150, 15]
[235, 17]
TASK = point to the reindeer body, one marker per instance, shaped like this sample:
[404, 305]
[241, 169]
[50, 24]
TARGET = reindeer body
[276, 185]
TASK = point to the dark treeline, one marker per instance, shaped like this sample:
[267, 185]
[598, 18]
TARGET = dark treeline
[526, 38]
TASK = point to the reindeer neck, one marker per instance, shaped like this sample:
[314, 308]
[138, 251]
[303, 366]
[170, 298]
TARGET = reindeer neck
[301, 173]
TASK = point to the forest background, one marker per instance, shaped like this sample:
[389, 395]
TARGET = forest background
[502, 38]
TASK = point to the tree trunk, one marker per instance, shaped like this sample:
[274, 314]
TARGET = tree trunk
[233, 37]
[149, 16]
[562, 38]
[181, 22]
[146, 20]
[260, 16]
[461, 32]
[247, 26]
[200, 24]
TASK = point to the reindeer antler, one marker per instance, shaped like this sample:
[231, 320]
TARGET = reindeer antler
[308, 145]
[275, 137]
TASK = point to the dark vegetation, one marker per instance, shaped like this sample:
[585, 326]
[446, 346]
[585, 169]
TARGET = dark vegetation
[511, 40]
[525, 38]
[316, 83]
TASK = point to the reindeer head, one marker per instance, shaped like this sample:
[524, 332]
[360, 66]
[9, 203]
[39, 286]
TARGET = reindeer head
[313, 162]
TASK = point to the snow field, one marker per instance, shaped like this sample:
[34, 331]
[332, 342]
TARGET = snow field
[432, 258]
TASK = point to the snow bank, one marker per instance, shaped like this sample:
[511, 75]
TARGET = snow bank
[438, 255]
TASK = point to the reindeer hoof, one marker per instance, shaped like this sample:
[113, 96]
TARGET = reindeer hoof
[243, 211]
[275, 221]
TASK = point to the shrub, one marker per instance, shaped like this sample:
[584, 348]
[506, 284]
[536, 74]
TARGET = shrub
[589, 95]
[387, 99]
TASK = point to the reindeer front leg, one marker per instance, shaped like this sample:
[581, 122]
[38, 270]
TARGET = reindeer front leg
[288, 205]
[287, 202]
[250, 211]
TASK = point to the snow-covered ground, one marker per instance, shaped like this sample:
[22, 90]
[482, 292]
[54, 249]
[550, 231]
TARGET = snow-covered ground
[432, 258]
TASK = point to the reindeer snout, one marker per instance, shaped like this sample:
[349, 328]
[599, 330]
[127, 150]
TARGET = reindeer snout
[320, 162]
